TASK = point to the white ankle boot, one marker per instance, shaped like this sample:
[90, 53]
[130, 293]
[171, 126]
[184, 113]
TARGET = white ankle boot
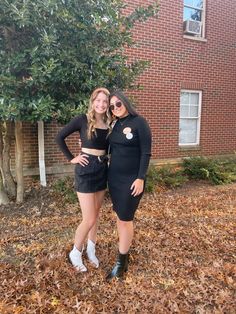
[91, 253]
[75, 257]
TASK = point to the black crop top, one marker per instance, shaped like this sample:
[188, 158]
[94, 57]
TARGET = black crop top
[80, 124]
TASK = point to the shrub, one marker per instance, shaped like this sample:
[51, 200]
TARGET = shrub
[64, 187]
[217, 171]
[166, 176]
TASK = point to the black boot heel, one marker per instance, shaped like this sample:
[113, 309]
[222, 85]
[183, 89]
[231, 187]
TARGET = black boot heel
[120, 267]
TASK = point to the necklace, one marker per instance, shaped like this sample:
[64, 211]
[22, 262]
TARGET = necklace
[123, 120]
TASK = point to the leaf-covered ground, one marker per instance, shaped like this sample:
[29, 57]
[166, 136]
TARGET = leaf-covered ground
[182, 259]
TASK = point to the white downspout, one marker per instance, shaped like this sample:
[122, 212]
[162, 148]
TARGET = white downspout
[42, 170]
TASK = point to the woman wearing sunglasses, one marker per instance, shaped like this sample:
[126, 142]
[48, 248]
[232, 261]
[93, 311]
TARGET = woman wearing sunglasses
[90, 171]
[130, 148]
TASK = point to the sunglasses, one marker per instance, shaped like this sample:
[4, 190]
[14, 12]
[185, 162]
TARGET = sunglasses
[118, 104]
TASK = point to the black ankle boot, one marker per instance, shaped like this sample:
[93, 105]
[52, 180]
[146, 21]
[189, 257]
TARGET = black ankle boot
[120, 267]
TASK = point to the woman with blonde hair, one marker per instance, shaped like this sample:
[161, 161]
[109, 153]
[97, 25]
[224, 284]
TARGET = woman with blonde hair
[90, 171]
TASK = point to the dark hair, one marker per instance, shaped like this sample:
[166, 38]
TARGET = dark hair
[119, 94]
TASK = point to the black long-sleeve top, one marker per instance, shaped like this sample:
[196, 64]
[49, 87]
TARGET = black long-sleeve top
[130, 143]
[80, 124]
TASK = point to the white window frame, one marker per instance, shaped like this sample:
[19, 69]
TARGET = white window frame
[203, 22]
[198, 118]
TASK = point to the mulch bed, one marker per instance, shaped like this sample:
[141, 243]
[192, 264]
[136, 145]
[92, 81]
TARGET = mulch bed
[182, 258]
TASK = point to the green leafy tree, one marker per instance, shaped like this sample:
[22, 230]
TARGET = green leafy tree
[53, 53]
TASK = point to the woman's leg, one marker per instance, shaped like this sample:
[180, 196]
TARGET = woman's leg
[126, 233]
[89, 217]
[99, 197]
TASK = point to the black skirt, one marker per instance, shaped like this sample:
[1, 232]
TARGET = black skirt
[122, 173]
[124, 204]
[93, 177]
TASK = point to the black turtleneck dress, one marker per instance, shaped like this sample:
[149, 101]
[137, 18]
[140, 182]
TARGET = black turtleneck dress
[130, 148]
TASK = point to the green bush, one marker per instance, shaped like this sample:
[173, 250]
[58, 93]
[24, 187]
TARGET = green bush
[64, 187]
[166, 176]
[230, 166]
[217, 171]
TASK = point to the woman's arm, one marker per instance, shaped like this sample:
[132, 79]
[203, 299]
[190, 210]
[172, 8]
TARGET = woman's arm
[74, 125]
[145, 140]
[145, 144]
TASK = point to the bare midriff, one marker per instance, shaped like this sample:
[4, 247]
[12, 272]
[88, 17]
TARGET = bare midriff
[92, 151]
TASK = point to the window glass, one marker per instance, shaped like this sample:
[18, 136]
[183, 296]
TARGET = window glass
[184, 111]
[194, 98]
[189, 122]
[184, 98]
[192, 14]
[188, 131]
[194, 3]
[193, 111]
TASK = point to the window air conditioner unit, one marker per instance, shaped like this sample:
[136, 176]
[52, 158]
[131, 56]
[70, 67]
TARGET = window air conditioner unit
[192, 27]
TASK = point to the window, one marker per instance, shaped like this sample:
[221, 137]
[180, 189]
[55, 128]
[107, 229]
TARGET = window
[190, 113]
[194, 18]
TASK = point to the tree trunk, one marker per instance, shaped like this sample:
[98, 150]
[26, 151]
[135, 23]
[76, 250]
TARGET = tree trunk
[19, 162]
[3, 195]
[8, 181]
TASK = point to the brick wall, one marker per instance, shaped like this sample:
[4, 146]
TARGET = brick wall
[176, 63]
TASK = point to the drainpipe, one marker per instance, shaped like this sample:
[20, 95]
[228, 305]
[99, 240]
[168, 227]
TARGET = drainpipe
[42, 170]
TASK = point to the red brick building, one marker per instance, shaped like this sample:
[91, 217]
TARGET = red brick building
[189, 90]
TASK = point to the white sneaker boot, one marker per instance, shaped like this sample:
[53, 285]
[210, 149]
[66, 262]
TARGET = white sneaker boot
[75, 257]
[91, 253]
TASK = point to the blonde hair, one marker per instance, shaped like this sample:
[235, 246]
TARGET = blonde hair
[91, 112]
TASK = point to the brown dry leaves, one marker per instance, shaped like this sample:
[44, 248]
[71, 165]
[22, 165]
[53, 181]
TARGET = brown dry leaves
[182, 258]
